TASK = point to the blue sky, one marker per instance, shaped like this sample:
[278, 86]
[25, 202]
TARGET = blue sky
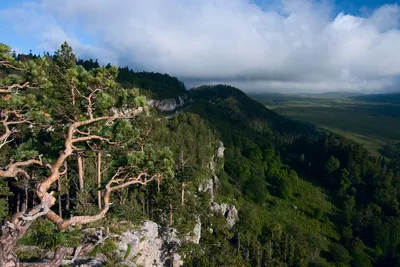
[278, 45]
[21, 43]
[19, 40]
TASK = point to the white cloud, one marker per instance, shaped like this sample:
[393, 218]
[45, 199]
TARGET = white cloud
[292, 45]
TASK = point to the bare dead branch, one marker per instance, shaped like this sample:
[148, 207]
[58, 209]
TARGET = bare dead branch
[91, 137]
[8, 89]
[18, 118]
[6, 141]
[8, 64]
[13, 169]
[90, 99]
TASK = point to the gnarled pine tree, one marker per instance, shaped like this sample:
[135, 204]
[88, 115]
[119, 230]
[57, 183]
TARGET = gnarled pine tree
[51, 110]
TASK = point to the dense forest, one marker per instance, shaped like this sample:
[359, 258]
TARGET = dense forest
[150, 84]
[80, 148]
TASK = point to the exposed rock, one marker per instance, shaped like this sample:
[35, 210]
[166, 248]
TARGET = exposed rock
[127, 263]
[169, 104]
[181, 100]
[197, 232]
[177, 260]
[212, 165]
[208, 187]
[146, 247]
[195, 235]
[143, 245]
[220, 150]
[125, 111]
[164, 105]
[88, 262]
[230, 213]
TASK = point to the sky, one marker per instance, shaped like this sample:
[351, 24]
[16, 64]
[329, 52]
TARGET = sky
[255, 45]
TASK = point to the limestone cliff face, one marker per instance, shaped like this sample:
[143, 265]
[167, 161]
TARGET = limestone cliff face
[148, 247]
[230, 213]
[151, 246]
[169, 104]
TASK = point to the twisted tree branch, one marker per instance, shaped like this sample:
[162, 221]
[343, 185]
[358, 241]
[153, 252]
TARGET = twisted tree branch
[19, 118]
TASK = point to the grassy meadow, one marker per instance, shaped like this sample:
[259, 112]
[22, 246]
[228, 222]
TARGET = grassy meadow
[372, 120]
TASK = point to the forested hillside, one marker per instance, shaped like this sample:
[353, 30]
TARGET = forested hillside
[153, 85]
[80, 149]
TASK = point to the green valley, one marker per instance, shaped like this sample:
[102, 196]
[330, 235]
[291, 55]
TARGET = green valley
[372, 120]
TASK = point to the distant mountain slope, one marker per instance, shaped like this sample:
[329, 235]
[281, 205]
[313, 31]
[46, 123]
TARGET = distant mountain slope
[389, 98]
[229, 103]
[152, 84]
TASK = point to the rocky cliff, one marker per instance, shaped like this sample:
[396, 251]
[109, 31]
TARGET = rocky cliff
[229, 212]
[169, 104]
[149, 247]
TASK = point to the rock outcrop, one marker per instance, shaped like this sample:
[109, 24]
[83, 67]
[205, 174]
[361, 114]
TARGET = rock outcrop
[230, 213]
[220, 149]
[147, 247]
[210, 186]
[169, 104]
[89, 262]
[195, 235]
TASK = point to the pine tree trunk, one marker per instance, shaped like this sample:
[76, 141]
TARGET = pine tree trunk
[18, 201]
[259, 255]
[144, 205]
[67, 199]
[8, 242]
[170, 214]
[59, 198]
[238, 243]
[270, 249]
[147, 203]
[99, 180]
[183, 195]
[80, 172]
[26, 198]
[67, 202]
[8, 257]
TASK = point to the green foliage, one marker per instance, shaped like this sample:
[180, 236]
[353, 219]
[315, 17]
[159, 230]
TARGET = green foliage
[153, 85]
[44, 234]
[332, 164]
[106, 248]
[391, 151]
[128, 251]
[4, 194]
[339, 254]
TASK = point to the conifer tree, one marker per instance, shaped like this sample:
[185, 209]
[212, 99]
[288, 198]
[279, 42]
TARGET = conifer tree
[51, 110]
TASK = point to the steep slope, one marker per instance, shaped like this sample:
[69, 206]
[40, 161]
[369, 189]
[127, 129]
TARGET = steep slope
[229, 103]
[283, 218]
[328, 199]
